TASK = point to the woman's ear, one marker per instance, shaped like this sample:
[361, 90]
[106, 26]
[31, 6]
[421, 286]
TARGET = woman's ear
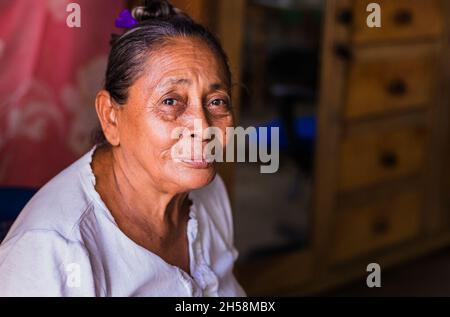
[107, 113]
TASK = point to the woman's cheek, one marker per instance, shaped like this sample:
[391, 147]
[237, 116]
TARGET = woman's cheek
[161, 137]
[180, 149]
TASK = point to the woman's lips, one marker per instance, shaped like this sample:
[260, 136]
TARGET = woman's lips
[200, 164]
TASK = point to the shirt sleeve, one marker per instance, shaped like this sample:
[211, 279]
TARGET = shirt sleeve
[43, 263]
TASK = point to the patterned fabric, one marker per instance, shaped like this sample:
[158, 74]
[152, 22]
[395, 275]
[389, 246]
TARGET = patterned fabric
[49, 76]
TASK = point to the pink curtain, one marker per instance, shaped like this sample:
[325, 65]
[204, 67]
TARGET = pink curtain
[49, 75]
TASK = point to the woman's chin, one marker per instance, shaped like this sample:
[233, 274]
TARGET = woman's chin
[194, 178]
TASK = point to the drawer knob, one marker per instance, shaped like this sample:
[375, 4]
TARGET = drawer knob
[397, 87]
[389, 160]
[345, 17]
[403, 17]
[380, 226]
[343, 51]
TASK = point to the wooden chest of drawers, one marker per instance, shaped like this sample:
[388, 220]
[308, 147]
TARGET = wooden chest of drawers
[378, 126]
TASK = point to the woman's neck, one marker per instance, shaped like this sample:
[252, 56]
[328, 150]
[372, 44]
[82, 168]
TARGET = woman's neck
[136, 203]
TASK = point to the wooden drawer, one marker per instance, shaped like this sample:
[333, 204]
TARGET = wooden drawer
[400, 20]
[385, 81]
[375, 156]
[362, 228]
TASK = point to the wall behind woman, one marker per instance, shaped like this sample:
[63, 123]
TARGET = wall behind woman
[49, 75]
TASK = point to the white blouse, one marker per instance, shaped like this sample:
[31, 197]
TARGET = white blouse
[65, 242]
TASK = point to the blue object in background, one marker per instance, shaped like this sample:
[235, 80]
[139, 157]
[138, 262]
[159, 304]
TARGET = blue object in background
[305, 129]
[12, 201]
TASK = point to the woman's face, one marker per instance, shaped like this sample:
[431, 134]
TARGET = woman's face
[183, 82]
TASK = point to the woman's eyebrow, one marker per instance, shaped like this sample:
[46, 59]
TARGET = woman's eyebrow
[217, 86]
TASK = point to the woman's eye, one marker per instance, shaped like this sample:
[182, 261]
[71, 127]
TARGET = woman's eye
[170, 102]
[219, 102]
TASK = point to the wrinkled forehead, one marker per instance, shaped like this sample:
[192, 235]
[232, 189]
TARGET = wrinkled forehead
[184, 61]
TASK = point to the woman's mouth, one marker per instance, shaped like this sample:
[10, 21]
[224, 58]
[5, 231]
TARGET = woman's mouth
[199, 164]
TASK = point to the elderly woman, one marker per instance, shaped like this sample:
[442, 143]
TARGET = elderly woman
[129, 218]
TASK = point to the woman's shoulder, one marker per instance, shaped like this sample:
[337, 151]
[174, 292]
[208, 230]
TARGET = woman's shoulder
[44, 245]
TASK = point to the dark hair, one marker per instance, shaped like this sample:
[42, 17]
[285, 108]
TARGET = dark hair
[158, 22]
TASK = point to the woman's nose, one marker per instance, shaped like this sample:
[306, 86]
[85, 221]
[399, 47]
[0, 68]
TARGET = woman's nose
[199, 123]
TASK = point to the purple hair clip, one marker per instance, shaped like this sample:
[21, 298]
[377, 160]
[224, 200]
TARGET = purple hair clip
[125, 20]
